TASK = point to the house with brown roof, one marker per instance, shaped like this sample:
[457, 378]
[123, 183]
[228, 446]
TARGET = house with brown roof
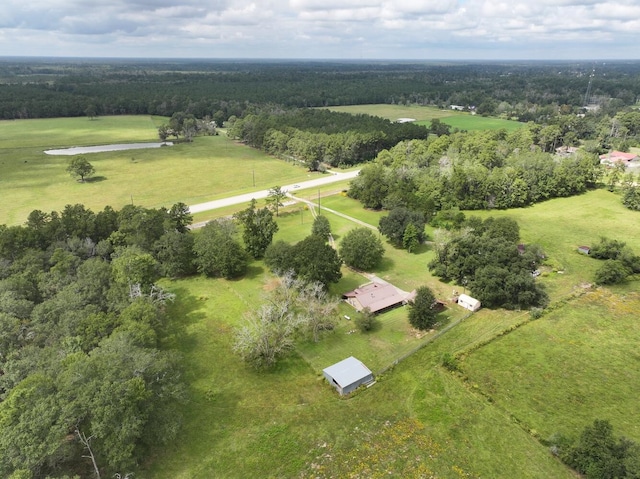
[377, 297]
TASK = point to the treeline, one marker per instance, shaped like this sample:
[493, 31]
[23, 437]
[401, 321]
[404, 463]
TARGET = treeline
[313, 136]
[220, 89]
[84, 386]
[478, 170]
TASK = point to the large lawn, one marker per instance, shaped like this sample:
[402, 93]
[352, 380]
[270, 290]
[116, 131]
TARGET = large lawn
[417, 420]
[209, 168]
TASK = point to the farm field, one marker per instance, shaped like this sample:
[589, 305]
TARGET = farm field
[209, 168]
[424, 114]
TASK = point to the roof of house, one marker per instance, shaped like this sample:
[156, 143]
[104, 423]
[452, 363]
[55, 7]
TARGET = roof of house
[618, 156]
[347, 371]
[377, 296]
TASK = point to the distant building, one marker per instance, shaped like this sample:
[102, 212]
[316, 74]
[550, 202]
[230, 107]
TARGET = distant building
[566, 150]
[457, 107]
[405, 120]
[614, 157]
[348, 375]
[377, 297]
[468, 302]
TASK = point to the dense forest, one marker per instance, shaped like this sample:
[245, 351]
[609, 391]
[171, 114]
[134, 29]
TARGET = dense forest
[83, 374]
[39, 88]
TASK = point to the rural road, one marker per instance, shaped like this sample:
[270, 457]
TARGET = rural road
[245, 198]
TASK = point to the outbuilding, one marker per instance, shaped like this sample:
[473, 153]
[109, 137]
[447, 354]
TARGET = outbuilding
[347, 375]
[468, 302]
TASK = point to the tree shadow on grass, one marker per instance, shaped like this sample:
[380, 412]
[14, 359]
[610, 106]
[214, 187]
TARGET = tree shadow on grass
[253, 271]
[187, 309]
[95, 179]
[386, 264]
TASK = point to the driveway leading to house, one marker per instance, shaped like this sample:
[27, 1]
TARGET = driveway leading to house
[234, 200]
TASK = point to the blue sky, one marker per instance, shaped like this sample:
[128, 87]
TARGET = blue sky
[318, 29]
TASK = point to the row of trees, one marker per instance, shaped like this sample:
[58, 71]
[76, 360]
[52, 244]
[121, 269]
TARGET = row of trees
[186, 125]
[313, 137]
[478, 170]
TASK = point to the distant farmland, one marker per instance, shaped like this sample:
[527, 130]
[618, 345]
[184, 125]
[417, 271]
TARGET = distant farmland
[424, 114]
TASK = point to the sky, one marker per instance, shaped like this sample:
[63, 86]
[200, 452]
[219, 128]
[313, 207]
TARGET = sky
[323, 29]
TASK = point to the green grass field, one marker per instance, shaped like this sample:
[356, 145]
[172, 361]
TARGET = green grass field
[574, 365]
[209, 168]
[424, 114]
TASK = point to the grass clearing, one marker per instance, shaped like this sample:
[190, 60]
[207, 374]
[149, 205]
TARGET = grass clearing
[207, 169]
[470, 122]
[289, 422]
[560, 225]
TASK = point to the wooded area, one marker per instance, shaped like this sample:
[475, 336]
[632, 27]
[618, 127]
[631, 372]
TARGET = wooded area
[220, 89]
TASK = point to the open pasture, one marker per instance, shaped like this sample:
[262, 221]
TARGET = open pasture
[424, 114]
[574, 365]
[468, 122]
[207, 169]
[393, 112]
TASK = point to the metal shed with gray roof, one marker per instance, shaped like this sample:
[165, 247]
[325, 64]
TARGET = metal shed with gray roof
[347, 375]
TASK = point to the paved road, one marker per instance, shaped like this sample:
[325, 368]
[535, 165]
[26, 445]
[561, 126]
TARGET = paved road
[234, 200]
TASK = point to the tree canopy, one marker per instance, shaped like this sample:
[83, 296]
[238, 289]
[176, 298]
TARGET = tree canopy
[483, 256]
[422, 310]
[218, 253]
[361, 248]
[81, 317]
[258, 228]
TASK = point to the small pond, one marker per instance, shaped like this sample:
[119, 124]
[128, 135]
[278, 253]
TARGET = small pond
[83, 150]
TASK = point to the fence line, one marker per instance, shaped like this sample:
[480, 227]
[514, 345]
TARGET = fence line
[422, 345]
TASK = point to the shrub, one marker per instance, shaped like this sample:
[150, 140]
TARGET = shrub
[366, 321]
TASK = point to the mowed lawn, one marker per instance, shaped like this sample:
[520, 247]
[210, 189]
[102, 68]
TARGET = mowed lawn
[424, 114]
[209, 168]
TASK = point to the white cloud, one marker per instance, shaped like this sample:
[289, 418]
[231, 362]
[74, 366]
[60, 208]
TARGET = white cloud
[321, 28]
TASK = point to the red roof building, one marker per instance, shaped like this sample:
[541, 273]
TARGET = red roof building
[617, 157]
